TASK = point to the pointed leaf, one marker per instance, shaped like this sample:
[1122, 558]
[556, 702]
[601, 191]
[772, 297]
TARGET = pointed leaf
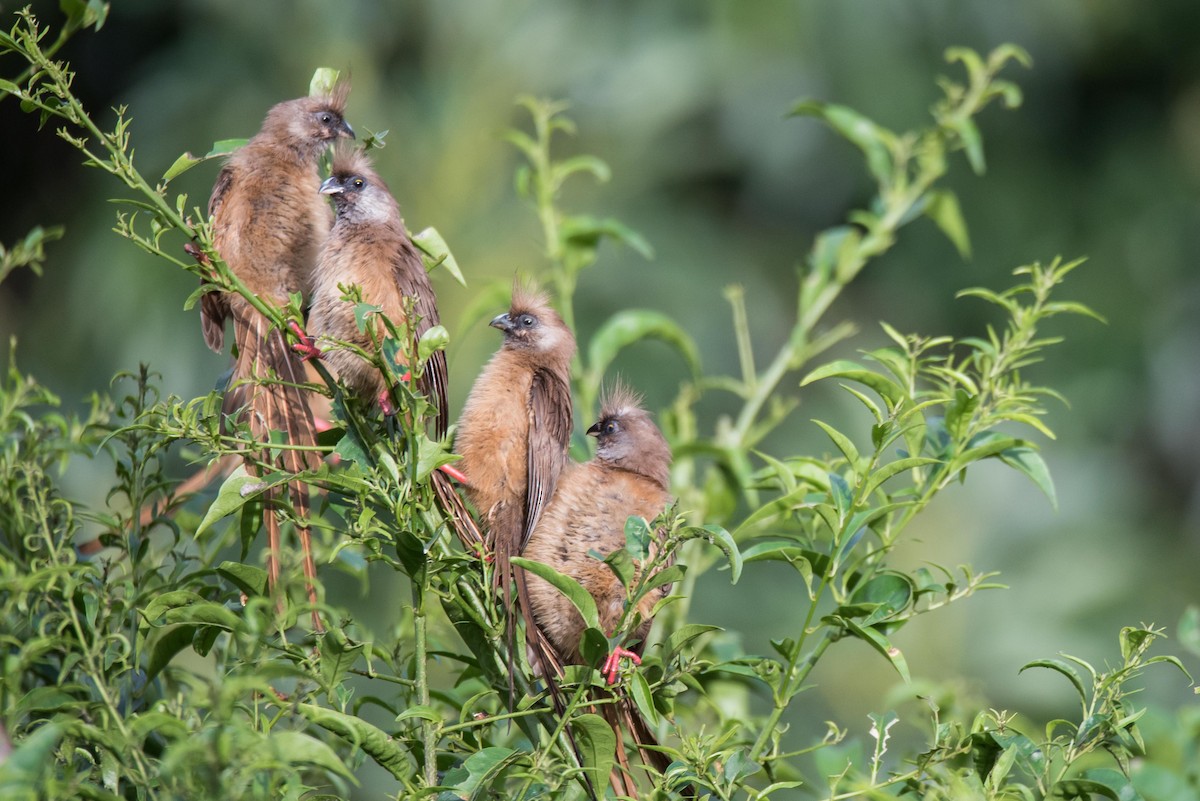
[235, 491]
[248, 579]
[722, 539]
[945, 212]
[300, 748]
[437, 253]
[374, 742]
[842, 442]
[633, 325]
[1058, 666]
[1030, 462]
[597, 747]
[887, 389]
[880, 643]
[323, 81]
[569, 587]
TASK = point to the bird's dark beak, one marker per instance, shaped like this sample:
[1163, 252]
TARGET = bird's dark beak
[331, 187]
[503, 322]
[594, 431]
[345, 130]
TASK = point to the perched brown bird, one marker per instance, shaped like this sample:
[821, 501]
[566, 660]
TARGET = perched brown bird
[370, 247]
[515, 427]
[268, 225]
[514, 431]
[629, 475]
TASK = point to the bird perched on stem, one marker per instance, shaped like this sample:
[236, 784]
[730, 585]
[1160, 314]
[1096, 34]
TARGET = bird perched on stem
[629, 476]
[369, 246]
[268, 225]
[515, 427]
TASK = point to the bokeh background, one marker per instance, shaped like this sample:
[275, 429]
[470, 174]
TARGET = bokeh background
[686, 102]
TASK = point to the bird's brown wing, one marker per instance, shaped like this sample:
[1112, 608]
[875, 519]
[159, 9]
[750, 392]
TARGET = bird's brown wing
[549, 436]
[413, 282]
[214, 306]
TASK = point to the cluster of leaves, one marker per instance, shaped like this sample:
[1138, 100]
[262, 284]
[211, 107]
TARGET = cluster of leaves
[161, 667]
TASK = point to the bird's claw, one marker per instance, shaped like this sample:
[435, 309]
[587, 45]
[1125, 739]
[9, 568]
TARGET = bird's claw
[386, 405]
[193, 250]
[612, 665]
[306, 346]
[455, 474]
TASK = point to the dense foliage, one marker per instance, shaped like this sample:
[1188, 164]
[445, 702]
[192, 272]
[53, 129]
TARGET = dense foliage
[161, 667]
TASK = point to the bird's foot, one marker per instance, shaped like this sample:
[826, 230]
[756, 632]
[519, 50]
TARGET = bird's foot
[455, 474]
[385, 404]
[306, 347]
[193, 250]
[612, 665]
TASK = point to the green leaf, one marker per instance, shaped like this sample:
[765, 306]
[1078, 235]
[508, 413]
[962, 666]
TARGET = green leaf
[1058, 666]
[872, 139]
[223, 147]
[569, 587]
[434, 339]
[323, 81]
[166, 646]
[683, 635]
[639, 689]
[1084, 789]
[181, 165]
[1030, 462]
[296, 747]
[842, 442]
[421, 712]
[942, 207]
[633, 325]
[168, 600]
[891, 469]
[972, 143]
[843, 497]
[377, 744]
[22, 770]
[204, 613]
[877, 641]
[249, 579]
[891, 392]
[436, 253]
[237, 489]
[586, 231]
[890, 592]
[638, 537]
[481, 769]
[597, 744]
[722, 539]
[583, 163]
[338, 656]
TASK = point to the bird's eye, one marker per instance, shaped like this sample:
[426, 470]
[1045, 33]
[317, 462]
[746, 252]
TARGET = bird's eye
[528, 320]
[326, 118]
[610, 427]
[358, 183]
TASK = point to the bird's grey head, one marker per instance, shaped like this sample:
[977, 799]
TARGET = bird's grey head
[531, 324]
[358, 193]
[309, 124]
[627, 438]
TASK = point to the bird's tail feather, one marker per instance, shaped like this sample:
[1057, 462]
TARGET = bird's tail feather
[268, 386]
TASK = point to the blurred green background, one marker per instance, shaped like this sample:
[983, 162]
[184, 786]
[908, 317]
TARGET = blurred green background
[686, 102]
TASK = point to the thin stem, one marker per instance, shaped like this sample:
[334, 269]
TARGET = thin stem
[428, 730]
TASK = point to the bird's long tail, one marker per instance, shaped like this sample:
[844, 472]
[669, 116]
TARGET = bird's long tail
[268, 386]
